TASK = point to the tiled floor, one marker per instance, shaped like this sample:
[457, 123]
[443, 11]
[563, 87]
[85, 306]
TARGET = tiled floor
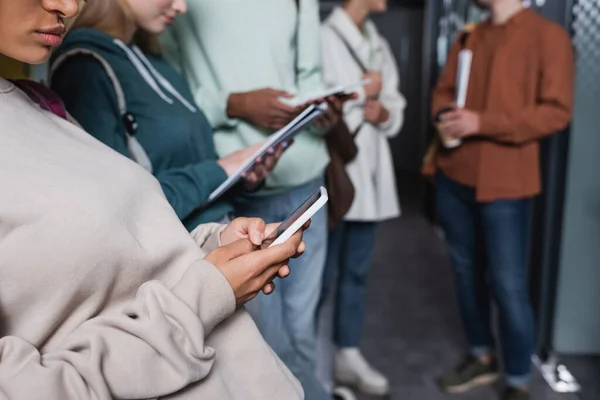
[412, 332]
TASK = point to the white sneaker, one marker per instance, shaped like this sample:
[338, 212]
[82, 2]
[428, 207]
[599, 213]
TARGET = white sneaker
[343, 393]
[352, 369]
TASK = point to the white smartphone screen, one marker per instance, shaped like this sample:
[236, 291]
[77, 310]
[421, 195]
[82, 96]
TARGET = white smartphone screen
[300, 216]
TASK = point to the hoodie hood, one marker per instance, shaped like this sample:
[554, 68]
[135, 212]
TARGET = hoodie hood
[120, 57]
[123, 64]
[87, 38]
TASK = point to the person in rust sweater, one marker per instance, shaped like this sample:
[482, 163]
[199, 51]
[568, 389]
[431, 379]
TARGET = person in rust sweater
[520, 90]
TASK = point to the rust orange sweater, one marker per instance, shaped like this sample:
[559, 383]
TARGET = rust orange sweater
[521, 83]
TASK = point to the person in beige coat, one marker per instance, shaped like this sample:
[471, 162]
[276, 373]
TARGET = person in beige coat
[103, 292]
[353, 50]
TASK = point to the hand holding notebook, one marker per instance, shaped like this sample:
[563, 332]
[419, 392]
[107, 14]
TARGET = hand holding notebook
[342, 91]
[309, 115]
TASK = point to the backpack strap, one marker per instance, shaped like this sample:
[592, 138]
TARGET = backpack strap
[356, 59]
[121, 103]
[44, 97]
[136, 151]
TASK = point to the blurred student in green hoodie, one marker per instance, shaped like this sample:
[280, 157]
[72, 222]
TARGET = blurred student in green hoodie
[241, 58]
[114, 82]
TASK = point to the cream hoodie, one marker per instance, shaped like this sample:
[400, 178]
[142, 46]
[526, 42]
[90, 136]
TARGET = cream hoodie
[103, 293]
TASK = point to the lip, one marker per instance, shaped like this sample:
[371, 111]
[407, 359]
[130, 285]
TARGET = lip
[169, 20]
[52, 36]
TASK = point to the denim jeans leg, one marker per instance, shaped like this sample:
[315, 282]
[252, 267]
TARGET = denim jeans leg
[325, 321]
[457, 211]
[332, 263]
[301, 296]
[356, 255]
[287, 319]
[505, 225]
[267, 311]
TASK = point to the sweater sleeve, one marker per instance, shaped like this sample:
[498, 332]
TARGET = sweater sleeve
[208, 236]
[444, 93]
[189, 187]
[95, 108]
[155, 347]
[552, 111]
[390, 96]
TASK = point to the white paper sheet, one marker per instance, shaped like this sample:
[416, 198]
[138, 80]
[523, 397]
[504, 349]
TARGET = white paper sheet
[462, 76]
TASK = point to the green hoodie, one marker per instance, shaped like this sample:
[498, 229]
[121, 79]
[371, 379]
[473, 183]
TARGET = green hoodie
[172, 130]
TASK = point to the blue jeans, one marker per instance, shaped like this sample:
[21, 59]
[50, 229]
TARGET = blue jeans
[496, 233]
[350, 252]
[287, 317]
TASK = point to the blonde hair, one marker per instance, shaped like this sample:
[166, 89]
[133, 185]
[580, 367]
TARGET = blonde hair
[111, 16]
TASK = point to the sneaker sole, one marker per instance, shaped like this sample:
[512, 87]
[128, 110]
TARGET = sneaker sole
[483, 380]
[372, 390]
[364, 388]
[344, 393]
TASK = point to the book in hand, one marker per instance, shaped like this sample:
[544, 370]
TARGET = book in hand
[463, 73]
[288, 132]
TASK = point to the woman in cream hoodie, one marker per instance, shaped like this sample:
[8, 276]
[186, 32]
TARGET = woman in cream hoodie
[354, 49]
[103, 293]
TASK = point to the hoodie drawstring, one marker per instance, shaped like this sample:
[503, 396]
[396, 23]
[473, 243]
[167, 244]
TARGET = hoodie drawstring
[143, 71]
[162, 80]
[152, 77]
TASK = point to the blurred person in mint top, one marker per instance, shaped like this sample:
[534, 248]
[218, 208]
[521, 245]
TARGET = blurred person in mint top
[172, 130]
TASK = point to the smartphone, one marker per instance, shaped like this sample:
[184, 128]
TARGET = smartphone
[339, 91]
[300, 216]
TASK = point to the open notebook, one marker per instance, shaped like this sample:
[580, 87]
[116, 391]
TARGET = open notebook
[286, 133]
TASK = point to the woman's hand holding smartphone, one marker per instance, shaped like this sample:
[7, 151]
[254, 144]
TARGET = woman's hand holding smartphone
[250, 269]
[250, 258]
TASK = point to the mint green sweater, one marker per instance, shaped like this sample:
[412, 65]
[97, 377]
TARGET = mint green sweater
[224, 47]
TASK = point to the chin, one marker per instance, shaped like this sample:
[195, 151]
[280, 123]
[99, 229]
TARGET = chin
[34, 55]
[379, 7]
[157, 28]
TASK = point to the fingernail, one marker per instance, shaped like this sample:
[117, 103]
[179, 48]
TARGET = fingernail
[271, 151]
[285, 145]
